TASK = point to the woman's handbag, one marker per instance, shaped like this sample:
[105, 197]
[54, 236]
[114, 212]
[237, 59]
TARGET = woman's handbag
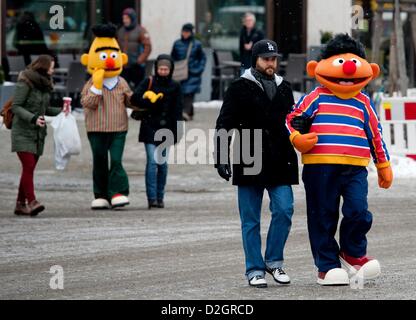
[181, 71]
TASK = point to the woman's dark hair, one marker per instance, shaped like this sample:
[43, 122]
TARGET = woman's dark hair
[42, 64]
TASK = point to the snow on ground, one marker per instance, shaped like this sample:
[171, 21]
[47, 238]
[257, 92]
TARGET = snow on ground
[403, 167]
[215, 104]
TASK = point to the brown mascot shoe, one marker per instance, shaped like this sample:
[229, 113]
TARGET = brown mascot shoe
[35, 208]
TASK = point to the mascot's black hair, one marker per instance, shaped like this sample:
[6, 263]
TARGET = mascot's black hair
[105, 30]
[343, 43]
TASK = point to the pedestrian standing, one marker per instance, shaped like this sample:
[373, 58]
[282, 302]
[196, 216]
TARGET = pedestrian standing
[196, 63]
[162, 98]
[135, 41]
[249, 36]
[260, 100]
[31, 103]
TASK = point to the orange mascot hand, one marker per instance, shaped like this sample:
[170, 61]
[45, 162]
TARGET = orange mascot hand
[385, 177]
[305, 142]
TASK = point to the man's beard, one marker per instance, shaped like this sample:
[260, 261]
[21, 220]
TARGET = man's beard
[269, 71]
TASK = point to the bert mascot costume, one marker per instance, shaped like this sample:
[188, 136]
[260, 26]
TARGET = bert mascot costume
[105, 98]
[336, 129]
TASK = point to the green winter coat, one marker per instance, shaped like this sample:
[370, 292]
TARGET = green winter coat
[31, 100]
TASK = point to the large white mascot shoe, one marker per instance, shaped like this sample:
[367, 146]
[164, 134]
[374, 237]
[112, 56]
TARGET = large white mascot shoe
[119, 201]
[365, 267]
[334, 277]
[100, 204]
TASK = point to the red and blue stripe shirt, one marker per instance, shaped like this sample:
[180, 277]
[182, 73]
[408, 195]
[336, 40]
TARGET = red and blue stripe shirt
[348, 130]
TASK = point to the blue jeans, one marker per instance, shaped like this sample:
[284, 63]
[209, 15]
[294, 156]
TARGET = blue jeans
[281, 206]
[325, 184]
[156, 173]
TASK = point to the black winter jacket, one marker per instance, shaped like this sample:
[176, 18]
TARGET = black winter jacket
[166, 112]
[247, 106]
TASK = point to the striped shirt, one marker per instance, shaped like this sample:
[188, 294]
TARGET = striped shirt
[348, 130]
[106, 112]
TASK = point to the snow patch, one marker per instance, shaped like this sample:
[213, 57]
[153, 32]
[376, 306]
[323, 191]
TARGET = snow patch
[215, 104]
[403, 167]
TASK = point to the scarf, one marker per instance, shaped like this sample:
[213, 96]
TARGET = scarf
[269, 83]
[37, 80]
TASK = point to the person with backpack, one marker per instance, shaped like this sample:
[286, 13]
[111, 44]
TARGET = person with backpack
[30, 104]
[161, 97]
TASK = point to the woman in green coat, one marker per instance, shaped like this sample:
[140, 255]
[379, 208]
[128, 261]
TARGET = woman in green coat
[31, 103]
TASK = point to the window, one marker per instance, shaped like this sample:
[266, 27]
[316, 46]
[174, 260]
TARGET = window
[70, 38]
[219, 22]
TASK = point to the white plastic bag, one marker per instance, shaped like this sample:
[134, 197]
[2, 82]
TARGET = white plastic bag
[67, 139]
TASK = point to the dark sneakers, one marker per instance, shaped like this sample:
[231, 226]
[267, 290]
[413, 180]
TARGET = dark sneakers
[160, 204]
[152, 204]
[258, 282]
[156, 204]
[279, 275]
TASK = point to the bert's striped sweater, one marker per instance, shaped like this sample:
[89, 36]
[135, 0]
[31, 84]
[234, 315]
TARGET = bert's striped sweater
[348, 130]
[105, 110]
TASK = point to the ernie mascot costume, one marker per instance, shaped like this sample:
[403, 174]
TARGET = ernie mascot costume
[105, 98]
[336, 128]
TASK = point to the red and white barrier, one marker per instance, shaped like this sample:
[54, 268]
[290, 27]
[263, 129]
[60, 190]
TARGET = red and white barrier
[398, 118]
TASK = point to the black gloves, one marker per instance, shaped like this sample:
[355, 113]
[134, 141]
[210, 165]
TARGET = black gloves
[301, 124]
[224, 170]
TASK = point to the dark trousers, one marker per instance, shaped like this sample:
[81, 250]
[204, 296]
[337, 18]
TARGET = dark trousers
[26, 186]
[188, 104]
[108, 181]
[325, 185]
[133, 74]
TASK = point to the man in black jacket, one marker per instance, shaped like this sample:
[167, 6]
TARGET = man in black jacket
[256, 106]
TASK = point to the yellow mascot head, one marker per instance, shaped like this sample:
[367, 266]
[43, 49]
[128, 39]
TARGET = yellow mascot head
[343, 69]
[105, 53]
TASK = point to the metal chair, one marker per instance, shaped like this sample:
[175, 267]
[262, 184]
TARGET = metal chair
[65, 60]
[295, 70]
[75, 79]
[16, 64]
[225, 70]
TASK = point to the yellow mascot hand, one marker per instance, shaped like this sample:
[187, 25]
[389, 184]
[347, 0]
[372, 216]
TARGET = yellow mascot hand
[153, 97]
[98, 78]
[385, 177]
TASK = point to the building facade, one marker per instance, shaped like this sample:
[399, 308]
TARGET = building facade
[294, 24]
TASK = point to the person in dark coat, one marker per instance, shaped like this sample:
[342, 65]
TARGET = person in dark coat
[134, 40]
[31, 103]
[256, 105]
[249, 36]
[197, 61]
[29, 39]
[162, 99]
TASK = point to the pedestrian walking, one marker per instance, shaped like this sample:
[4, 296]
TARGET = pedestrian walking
[187, 47]
[162, 99]
[260, 100]
[31, 103]
[337, 130]
[135, 41]
[105, 98]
